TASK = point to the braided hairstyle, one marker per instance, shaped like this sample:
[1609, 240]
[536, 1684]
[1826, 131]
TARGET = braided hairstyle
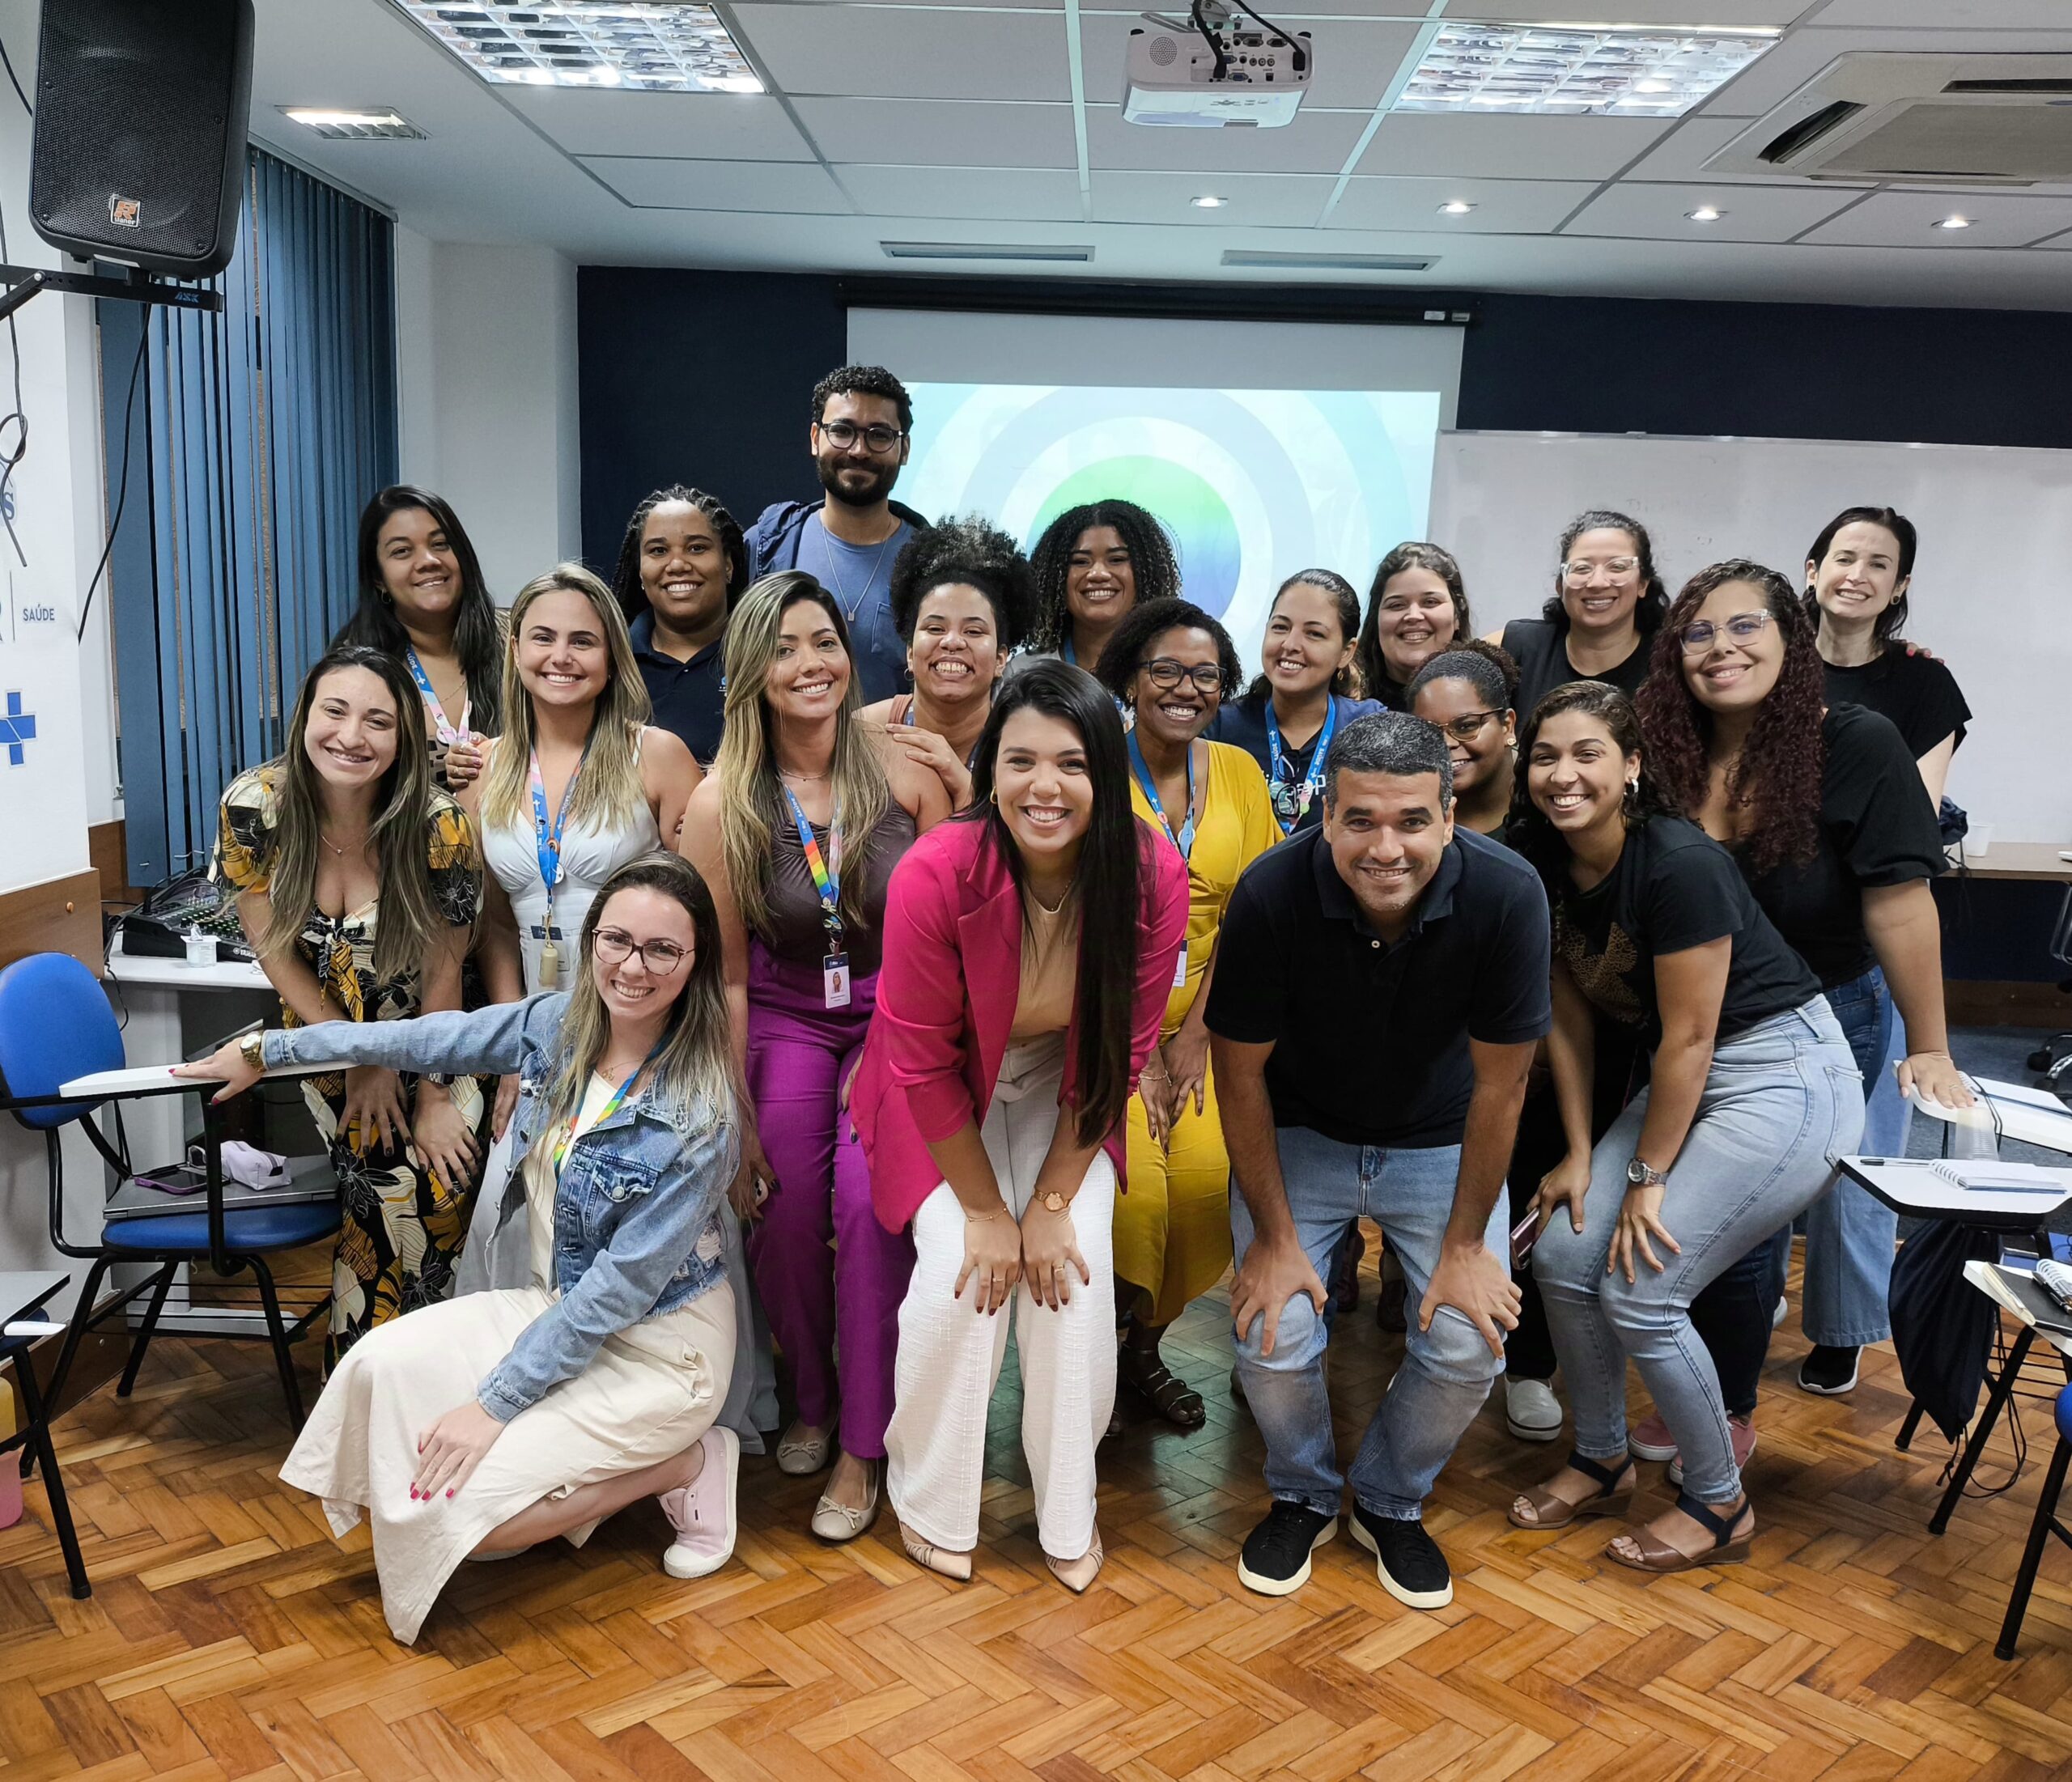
[626, 584]
[1152, 561]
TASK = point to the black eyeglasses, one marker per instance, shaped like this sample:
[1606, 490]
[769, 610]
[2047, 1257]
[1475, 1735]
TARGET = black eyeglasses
[842, 435]
[1207, 677]
[1468, 725]
[1697, 637]
[615, 946]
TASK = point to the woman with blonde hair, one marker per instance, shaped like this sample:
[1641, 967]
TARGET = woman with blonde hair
[500, 1420]
[356, 881]
[797, 832]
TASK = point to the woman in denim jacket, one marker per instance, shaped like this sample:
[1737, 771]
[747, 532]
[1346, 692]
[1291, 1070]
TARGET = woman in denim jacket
[480, 1427]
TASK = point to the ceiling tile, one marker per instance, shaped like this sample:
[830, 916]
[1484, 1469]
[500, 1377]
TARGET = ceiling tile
[1501, 206]
[1948, 14]
[1727, 14]
[1746, 213]
[1514, 148]
[1006, 193]
[1354, 58]
[722, 126]
[941, 133]
[1316, 142]
[650, 182]
[1772, 78]
[1907, 219]
[1250, 200]
[909, 52]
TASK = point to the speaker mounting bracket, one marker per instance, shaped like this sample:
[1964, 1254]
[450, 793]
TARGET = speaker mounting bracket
[23, 282]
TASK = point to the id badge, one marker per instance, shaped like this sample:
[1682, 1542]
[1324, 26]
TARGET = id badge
[1180, 970]
[549, 966]
[834, 980]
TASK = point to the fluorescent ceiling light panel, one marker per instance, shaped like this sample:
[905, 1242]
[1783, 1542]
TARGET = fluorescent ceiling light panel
[638, 45]
[1615, 70]
[337, 127]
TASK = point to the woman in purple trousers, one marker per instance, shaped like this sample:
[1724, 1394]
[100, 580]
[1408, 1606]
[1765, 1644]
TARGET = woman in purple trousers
[797, 831]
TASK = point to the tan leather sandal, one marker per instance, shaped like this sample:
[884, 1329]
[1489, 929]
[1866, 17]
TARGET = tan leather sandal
[1550, 1511]
[1651, 1554]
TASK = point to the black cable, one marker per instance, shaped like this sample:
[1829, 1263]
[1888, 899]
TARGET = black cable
[7, 62]
[11, 454]
[1209, 37]
[1302, 57]
[122, 485]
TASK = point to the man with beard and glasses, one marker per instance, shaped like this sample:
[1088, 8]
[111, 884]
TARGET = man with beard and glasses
[862, 420]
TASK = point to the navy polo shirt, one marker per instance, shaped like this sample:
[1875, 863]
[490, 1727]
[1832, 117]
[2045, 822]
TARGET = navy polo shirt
[1370, 1037]
[688, 697]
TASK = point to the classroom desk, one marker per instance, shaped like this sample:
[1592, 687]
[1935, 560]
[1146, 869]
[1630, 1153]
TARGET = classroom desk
[2031, 860]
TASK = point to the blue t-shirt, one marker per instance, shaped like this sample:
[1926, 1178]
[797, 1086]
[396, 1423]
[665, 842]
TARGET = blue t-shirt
[860, 577]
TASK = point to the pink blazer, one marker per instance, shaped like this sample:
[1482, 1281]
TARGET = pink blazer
[946, 996]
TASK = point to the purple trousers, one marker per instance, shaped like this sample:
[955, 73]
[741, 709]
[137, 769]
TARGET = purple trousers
[819, 1298]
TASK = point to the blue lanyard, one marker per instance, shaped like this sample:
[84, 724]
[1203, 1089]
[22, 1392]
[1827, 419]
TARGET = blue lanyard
[443, 727]
[1184, 840]
[548, 842]
[826, 873]
[1313, 782]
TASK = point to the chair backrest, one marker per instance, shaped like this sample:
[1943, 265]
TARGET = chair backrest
[55, 1024]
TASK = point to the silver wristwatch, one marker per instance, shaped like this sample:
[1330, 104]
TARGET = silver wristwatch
[1644, 1175]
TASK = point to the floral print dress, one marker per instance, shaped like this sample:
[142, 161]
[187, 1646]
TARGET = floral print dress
[404, 1223]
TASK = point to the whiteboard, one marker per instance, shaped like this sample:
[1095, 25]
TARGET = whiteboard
[1991, 592]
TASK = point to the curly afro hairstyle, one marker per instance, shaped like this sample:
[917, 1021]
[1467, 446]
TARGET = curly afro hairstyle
[1782, 764]
[1129, 648]
[971, 550]
[1151, 559]
[632, 594]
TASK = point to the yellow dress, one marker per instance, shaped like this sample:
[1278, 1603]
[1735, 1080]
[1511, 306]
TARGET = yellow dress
[1173, 1225]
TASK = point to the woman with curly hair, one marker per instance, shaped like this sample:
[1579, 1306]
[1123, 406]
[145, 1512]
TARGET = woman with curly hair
[1092, 564]
[962, 596]
[1607, 605]
[1823, 809]
[682, 567]
[1750, 1090]
[356, 882]
[1416, 607]
[1173, 666]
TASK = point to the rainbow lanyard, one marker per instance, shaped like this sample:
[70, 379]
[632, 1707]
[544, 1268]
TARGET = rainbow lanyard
[826, 873]
[1184, 841]
[563, 1145]
[447, 732]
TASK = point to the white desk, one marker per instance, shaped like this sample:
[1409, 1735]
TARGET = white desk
[2008, 1110]
[178, 974]
[1913, 1187]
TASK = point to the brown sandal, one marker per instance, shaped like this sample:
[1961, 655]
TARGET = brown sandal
[1550, 1511]
[1659, 1556]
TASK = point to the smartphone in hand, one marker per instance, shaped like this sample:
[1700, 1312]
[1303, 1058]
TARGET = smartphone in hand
[1524, 1235]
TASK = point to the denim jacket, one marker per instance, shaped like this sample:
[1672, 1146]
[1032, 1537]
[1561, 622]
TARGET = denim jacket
[636, 1211]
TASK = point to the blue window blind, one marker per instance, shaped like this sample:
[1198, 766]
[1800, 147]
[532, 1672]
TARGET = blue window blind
[259, 434]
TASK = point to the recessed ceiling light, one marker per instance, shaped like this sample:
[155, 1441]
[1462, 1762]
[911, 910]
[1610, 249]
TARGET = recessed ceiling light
[1455, 207]
[1208, 201]
[1619, 70]
[353, 126]
[1954, 222]
[1705, 212]
[667, 47]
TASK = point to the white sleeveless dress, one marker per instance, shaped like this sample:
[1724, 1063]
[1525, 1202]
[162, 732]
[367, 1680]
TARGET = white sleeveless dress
[591, 852]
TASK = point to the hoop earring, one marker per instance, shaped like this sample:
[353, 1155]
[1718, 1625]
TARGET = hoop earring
[1629, 806]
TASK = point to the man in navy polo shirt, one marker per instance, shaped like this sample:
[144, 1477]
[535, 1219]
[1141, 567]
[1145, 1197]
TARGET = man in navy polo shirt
[1381, 984]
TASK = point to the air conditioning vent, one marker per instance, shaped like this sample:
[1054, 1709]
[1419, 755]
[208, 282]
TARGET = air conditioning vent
[979, 250]
[1324, 262]
[1955, 118]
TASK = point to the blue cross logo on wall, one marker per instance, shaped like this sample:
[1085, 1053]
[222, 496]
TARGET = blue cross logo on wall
[16, 729]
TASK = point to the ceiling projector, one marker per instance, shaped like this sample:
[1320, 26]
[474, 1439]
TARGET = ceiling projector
[1215, 68]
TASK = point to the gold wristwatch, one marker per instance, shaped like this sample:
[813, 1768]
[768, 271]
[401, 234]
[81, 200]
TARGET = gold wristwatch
[253, 1048]
[1056, 1202]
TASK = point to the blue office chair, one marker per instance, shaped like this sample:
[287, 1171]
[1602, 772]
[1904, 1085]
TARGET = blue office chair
[55, 1025]
[2046, 1524]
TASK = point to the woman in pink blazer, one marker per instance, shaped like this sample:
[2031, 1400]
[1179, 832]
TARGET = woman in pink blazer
[1030, 945]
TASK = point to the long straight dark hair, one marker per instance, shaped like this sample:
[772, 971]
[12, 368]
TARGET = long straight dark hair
[1107, 883]
[478, 634]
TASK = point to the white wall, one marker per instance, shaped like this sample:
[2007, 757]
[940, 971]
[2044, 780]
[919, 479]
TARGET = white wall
[486, 370]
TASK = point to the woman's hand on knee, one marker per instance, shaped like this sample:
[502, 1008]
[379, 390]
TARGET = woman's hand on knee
[1050, 1253]
[992, 1256]
[1640, 1229]
[451, 1448]
[1564, 1187]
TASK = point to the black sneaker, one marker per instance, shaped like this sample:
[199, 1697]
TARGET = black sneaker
[1406, 1560]
[1275, 1560]
[1829, 1372]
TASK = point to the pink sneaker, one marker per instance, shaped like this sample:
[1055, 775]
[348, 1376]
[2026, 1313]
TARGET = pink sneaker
[702, 1512]
[1649, 1438]
[1742, 1430]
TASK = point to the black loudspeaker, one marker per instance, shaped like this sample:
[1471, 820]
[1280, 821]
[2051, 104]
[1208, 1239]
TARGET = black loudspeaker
[140, 122]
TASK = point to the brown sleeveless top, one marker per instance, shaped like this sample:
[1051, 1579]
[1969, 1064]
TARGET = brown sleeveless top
[794, 930]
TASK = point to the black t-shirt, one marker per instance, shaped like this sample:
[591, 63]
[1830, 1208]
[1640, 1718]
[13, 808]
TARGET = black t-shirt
[1673, 888]
[1540, 648]
[1371, 1039]
[1918, 693]
[689, 698]
[1242, 725]
[1877, 828]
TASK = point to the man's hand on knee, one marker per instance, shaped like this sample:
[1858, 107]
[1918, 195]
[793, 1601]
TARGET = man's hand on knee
[1474, 1282]
[1273, 1272]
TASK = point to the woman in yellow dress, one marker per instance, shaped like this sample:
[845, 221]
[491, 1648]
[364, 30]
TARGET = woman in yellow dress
[1174, 666]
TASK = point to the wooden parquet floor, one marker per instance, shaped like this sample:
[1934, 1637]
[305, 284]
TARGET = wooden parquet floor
[229, 1636]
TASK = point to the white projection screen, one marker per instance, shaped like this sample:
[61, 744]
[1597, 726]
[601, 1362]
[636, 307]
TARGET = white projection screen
[1264, 447]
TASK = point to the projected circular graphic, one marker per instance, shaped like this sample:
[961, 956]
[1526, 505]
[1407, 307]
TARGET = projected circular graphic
[1205, 534]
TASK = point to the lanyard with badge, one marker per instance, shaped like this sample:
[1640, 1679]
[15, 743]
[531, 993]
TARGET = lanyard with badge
[444, 728]
[1183, 838]
[827, 882]
[548, 843]
[1312, 781]
[565, 1142]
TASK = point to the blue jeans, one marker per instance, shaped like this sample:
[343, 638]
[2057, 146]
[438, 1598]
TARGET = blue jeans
[1447, 1370]
[1779, 1101]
